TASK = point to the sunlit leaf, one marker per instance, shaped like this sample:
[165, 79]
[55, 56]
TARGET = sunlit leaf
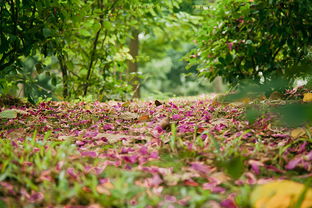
[107, 25]
[298, 132]
[144, 117]
[307, 97]
[280, 194]
[8, 114]
[234, 167]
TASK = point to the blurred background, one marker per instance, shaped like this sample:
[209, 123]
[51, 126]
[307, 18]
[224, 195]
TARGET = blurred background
[108, 50]
[147, 49]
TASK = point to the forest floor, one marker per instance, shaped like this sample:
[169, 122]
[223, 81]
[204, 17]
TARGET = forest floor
[177, 153]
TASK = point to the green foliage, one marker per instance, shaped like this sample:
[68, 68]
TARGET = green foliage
[168, 76]
[259, 40]
[30, 34]
[161, 52]
[8, 114]
[25, 28]
[294, 115]
[234, 167]
[288, 106]
[74, 48]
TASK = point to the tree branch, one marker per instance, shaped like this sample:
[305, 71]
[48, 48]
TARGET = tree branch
[112, 6]
[93, 52]
[64, 74]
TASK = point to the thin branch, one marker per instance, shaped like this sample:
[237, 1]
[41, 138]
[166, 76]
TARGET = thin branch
[93, 52]
[64, 74]
[74, 74]
[112, 6]
[278, 50]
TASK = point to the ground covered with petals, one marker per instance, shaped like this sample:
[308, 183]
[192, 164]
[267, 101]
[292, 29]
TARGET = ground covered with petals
[179, 153]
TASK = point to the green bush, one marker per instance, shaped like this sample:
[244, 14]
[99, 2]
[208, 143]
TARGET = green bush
[254, 39]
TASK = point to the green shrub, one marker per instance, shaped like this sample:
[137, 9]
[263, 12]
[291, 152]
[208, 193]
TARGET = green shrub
[254, 39]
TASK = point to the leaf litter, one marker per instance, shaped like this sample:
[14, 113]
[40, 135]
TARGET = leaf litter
[179, 153]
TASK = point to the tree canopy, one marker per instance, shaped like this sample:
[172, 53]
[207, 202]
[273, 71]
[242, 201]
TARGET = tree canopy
[259, 40]
[73, 48]
[79, 47]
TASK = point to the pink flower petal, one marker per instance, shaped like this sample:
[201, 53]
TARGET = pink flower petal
[71, 172]
[293, 163]
[309, 156]
[130, 159]
[200, 167]
[176, 117]
[280, 135]
[154, 155]
[228, 203]
[170, 198]
[213, 188]
[255, 166]
[36, 197]
[143, 150]
[154, 181]
[230, 46]
[89, 154]
[108, 127]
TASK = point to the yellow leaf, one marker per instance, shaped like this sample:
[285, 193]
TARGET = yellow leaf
[245, 100]
[126, 104]
[144, 117]
[298, 132]
[105, 188]
[88, 107]
[280, 194]
[307, 97]
[276, 95]
[220, 177]
[128, 116]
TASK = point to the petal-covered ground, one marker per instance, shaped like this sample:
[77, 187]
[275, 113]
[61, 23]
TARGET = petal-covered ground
[179, 153]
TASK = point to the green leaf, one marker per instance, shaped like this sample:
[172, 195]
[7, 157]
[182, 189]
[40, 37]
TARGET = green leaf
[54, 81]
[222, 60]
[252, 115]
[228, 58]
[39, 68]
[46, 32]
[96, 26]
[234, 167]
[107, 25]
[2, 204]
[8, 114]
[249, 42]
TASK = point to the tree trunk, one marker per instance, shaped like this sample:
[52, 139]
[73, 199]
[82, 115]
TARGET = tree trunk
[94, 46]
[218, 85]
[64, 75]
[21, 90]
[133, 65]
